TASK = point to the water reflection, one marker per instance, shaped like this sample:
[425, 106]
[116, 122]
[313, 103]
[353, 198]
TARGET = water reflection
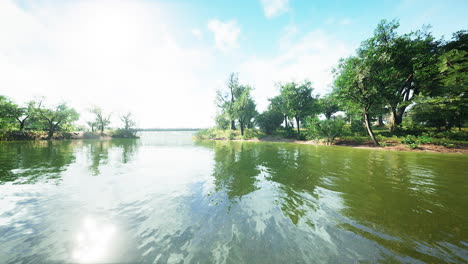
[30, 162]
[98, 152]
[400, 201]
[173, 201]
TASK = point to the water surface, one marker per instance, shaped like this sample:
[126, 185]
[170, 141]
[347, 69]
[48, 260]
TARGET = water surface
[166, 199]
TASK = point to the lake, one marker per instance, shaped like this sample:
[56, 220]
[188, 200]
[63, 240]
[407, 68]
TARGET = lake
[166, 199]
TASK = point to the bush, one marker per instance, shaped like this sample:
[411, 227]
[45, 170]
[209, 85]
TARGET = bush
[269, 121]
[289, 132]
[327, 129]
[123, 133]
[249, 133]
[409, 139]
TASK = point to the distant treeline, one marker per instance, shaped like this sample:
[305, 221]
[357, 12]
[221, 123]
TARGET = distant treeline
[412, 81]
[35, 116]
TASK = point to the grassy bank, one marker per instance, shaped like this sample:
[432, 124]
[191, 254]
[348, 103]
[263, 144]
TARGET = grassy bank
[439, 142]
[17, 135]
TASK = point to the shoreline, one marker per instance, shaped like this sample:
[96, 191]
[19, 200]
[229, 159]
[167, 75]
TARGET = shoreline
[11, 136]
[424, 148]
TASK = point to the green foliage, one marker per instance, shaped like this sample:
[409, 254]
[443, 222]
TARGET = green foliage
[222, 122]
[235, 104]
[410, 139]
[123, 133]
[269, 121]
[328, 129]
[298, 100]
[244, 107]
[102, 120]
[56, 118]
[328, 105]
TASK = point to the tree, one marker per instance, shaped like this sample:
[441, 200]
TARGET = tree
[222, 122]
[406, 66]
[244, 107]
[102, 120]
[278, 104]
[21, 114]
[356, 88]
[54, 118]
[92, 125]
[269, 121]
[298, 100]
[225, 99]
[328, 106]
[128, 121]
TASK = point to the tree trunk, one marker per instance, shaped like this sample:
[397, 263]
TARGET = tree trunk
[396, 117]
[327, 116]
[380, 121]
[21, 125]
[298, 129]
[369, 128]
[50, 134]
[242, 128]
[233, 124]
[285, 121]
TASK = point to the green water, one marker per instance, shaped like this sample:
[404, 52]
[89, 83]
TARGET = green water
[166, 199]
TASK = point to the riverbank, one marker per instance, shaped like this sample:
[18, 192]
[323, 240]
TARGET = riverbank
[17, 135]
[386, 143]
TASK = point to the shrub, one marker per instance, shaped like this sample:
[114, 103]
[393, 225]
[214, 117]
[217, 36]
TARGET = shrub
[327, 129]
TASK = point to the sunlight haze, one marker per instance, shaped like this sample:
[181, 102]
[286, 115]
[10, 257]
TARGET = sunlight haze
[164, 60]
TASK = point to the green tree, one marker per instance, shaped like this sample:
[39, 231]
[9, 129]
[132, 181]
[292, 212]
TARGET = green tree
[298, 100]
[56, 117]
[356, 88]
[269, 121]
[328, 105]
[244, 107]
[102, 119]
[21, 114]
[406, 66]
[222, 122]
[225, 99]
[278, 104]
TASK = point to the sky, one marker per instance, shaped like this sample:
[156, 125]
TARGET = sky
[163, 60]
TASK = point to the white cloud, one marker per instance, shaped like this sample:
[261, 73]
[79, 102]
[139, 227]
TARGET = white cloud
[311, 57]
[122, 56]
[226, 34]
[197, 33]
[275, 7]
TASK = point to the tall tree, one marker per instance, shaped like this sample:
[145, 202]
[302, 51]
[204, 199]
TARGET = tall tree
[356, 88]
[244, 107]
[55, 117]
[225, 99]
[102, 119]
[278, 104]
[406, 65]
[298, 100]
